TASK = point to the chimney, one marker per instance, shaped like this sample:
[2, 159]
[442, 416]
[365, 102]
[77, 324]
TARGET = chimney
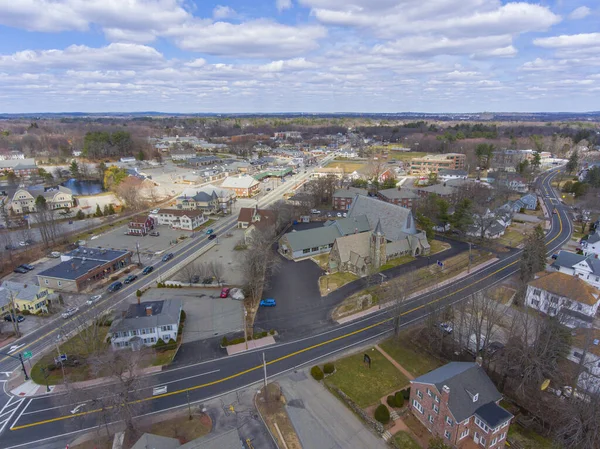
[148, 310]
[446, 389]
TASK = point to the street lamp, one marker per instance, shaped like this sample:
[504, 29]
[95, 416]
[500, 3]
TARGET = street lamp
[20, 359]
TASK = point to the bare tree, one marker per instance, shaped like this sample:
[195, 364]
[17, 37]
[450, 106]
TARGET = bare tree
[189, 273]
[216, 270]
[129, 190]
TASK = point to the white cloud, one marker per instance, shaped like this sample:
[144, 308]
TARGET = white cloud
[291, 64]
[569, 41]
[224, 12]
[580, 13]
[283, 4]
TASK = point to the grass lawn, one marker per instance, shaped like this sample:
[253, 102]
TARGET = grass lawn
[321, 260]
[336, 280]
[403, 440]
[182, 427]
[205, 225]
[438, 247]
[512, 237]
[501, 294]
[366, 385]
[407, 355]
[348, 166]
[397, 261]
[529, 439]
[405, 155]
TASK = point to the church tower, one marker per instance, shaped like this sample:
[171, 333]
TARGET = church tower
[378, 246]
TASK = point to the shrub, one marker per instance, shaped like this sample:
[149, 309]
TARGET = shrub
[272, 332]
[26, 312]
[182, 316]
[159, 343]
[114, 278]
[328, 368]
[80, 215]
[224, 342]
[391, 401]
[406, 394]
[382, 414]
[316, 373]
[399, 399]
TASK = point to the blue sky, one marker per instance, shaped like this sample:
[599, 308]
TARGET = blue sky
[299, 55]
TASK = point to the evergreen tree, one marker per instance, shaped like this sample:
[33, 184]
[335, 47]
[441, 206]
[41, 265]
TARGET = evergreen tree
[111, 209]
[74, 169]
[106, 211]
[573, 162]
[462, 216]
[534, 255]
[98, 211]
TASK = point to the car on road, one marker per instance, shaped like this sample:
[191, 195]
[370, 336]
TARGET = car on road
[344, 215]
[69, 312]
[212, 236]
[117, 285]
[54, 254]
[168, 257]
[20, 270]
[129, 279]
[27, 266]
[339, 215]
[267, 302]
[93, 299]
[315, 211]
[23, 243]
[147, 270]
[225, 292]
[154, 234]
[268, 189]
[209, 231]
[10, 317]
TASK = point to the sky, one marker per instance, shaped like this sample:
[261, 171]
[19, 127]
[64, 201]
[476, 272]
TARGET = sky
[244, 56]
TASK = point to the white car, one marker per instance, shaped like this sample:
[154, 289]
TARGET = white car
[155, 211]
[315, 211]
[344, 214]
[339, 214]
[69, 312]
[93, 299]
[23, 243]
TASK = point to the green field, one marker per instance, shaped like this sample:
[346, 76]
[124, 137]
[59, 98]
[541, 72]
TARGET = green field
[413, 360]
[405, 156]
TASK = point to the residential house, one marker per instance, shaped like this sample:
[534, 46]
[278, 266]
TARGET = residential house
[512, 181]
[459, 403]
[187, 220]
[387, 174]
[342, 198]
[434, 163]
[349, 153]
[199, 200]
[6, 155]
[252, 218]
[448, 174]
[8, 165]
[23, 199]
[585, 352]
[591, 245]
[443, 190]
[225, 198]
[400, 196]
[30, 297]
[140, 225]
[322, 172]
[558, 294]
[529, 201]
[586, 268]
[145, 323]
[82, 267]
[490, 225]
[244, 186]
[183, 154]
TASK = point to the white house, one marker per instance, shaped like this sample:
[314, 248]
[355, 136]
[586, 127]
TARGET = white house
[23, 200]
[187, 220]
[591, 246]
[586, 268]
[557, 294]
[348, 153]
[143, 324]
[448, 174]
[585, 351]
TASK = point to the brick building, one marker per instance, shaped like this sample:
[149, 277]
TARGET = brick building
[244, 186]
[435, 163]
[140, 225]
[402, 197]
[459, 403]
[342, 198]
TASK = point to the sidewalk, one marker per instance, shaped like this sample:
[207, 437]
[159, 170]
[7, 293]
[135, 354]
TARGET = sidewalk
[374, 309]
[252, 344]
[396, 364]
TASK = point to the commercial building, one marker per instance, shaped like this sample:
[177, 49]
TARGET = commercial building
[30, 297]
[83, 267]
[435, 163]
[140, 225]
[199, 200]
[187, 220]
[400, 196]
[244, 186]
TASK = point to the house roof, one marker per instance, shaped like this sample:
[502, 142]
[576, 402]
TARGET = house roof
[439, 189]
[583, 337]
[24, 292]
[493, 414]
[451, 172]
[395, 220]
[180, 212]
[227, 440]
[240, 182]
[163, 313]
[78, 262]
[358, 244]
[594, 237]
[569, 260]
[139, 219]
[398, 194]
[465, 380]
[349, 192]
[351, 225]
[312, 237]
[266, 215]
[151, 441]
[567, 286]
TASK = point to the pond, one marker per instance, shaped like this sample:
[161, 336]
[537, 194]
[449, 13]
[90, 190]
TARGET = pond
[83, 187]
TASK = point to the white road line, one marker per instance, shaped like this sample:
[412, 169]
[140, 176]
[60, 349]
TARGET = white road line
[20, 414]
[6, 421]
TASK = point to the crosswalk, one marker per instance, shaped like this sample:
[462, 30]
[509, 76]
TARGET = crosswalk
[8, 411]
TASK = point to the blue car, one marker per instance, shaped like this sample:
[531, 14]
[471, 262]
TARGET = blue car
[148, 270]
[267, 302]
[168, 257]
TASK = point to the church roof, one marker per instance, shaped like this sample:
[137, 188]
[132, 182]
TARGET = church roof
[394, 220]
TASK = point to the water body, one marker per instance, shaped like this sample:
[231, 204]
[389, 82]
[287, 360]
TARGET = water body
[83, 187]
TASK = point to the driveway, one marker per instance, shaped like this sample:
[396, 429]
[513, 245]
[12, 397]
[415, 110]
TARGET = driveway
[321, 420]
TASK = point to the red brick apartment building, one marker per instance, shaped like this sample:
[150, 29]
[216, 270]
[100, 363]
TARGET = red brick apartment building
[342, 198]
[459, 403]
[437, 162]
[399, 196]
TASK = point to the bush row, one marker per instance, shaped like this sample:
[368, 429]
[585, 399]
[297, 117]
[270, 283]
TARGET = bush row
[318, 374]
[162, 346]
[165, 285]
[235, 341]
[396, 400]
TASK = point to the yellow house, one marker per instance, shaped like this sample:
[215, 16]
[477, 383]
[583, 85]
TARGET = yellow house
[29, 297]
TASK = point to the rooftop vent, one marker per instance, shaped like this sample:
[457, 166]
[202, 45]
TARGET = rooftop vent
[446, 389]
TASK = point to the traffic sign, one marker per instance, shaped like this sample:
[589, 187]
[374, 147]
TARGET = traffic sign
[440, 263]
[27, 355]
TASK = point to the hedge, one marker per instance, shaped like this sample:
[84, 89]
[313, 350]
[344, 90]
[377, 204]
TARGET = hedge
[399, 399]
[406, 394]
[328, 368]
[391, 401]
[316, 373]
[382, 414]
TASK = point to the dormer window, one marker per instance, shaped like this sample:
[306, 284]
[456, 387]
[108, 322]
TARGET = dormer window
[476, 397]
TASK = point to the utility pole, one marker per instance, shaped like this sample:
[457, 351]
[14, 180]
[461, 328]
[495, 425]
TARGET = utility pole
[14, 315]
[62, 366]
[265, 370]
[137, 246]
[245, 326]
[20, 359]
[469, 269]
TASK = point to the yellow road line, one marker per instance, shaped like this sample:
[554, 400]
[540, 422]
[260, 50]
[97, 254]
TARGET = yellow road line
[287, 356]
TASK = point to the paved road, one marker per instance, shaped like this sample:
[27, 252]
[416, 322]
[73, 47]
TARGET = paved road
[39, 420]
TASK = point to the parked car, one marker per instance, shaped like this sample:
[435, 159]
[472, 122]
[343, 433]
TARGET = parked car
[212, 236]
[268, 189]
[27, 266]
[339, 215]
[168, 257]
[69, 312]
[11, 317]
[155, 211]
[344, 215]
[117, 285]
[129, 279]
[93, 299]
[446, 327]
[9, 247]
[147, 270]
[209, 231]
[225, 292]
[54, 254]
[154, 234]
[23, 243]
[315, 211]
[20, 270]
[554, 256]
[267, 302]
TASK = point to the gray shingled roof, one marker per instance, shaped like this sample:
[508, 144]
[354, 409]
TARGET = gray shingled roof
[439, 189]
[568, 260]
[350, 192]
[163, 313]
[25, 292]
[312, 237]
[352, 225]
[398, 194]
[393, 218]
[493, 414]
[465, 380]
[594, 237]
[450, 172]
[228, 440]
[151, 441]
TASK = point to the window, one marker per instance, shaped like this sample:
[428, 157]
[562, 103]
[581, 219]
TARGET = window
[482, 441]
[436, 408]
[429, 392]
[449, 421]
[577, 354]
[536, 303]
[552, 310]
[59, 283]
[464, 433]
[537, 292]
[482, 425]
[494, 441]
[505, 424]
[579, 307]
[430, 419]
[418, 406]
[419, 394]
[46, 281]
[437, 398]
[447, 434]
[306, 251]
[501, 437]
[316, 248]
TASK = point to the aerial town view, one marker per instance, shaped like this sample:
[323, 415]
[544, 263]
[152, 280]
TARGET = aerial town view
[299, 224]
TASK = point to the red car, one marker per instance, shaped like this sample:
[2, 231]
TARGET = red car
[225, 292]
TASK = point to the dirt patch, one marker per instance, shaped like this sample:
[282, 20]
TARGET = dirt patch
[271, 406]
[418, 430]
[501, 294]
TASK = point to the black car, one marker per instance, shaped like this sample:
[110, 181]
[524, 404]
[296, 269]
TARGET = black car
[21, 270]
[117, 285]
[11, 317]
[212, 236]
[168, 257]
[148, 270]
[129, 279]
[27, 266]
